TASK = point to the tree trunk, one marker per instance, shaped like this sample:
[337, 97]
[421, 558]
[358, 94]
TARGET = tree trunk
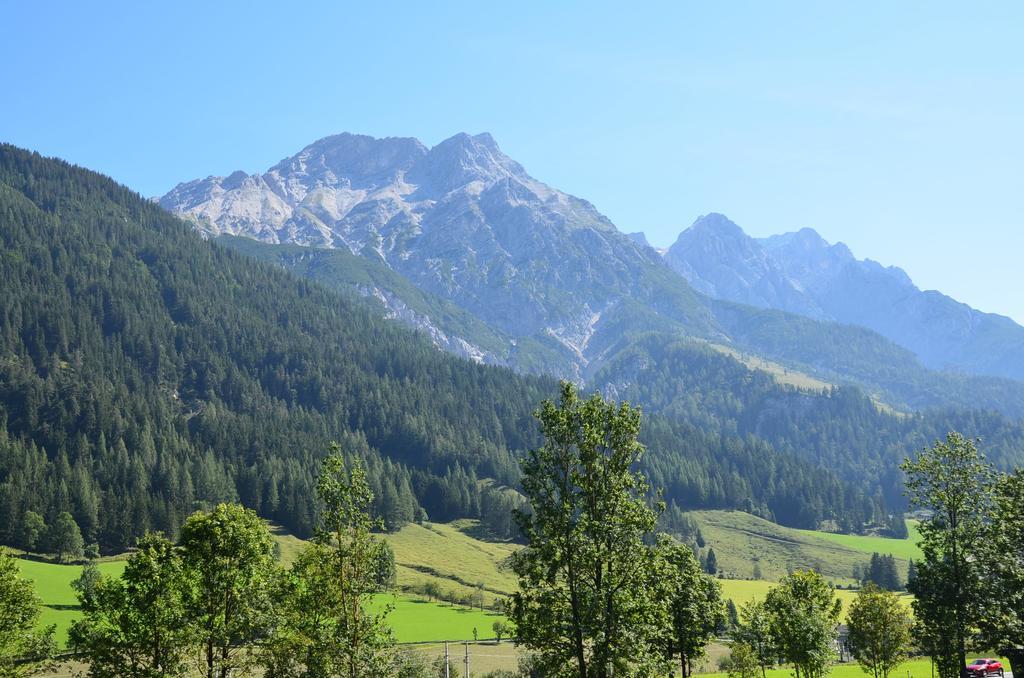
[1016, 657]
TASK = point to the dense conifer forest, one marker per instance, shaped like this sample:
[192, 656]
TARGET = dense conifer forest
[146, 373]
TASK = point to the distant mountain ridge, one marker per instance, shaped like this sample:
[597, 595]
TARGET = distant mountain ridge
[459, 241]
[801, 272]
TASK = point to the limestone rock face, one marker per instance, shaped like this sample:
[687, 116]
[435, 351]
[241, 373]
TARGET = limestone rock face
[461, 220]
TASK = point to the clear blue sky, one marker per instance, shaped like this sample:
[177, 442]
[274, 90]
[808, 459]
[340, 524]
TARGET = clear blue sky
[895, 127]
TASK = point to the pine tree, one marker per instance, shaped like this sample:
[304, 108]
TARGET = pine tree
[711, 565]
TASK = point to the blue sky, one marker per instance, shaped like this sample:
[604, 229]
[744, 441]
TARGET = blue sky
[894, 127]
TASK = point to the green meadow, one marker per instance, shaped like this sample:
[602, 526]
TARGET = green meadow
[53, 586]
[740, 540]
[414, 619]
[457, 562]
[905, 549]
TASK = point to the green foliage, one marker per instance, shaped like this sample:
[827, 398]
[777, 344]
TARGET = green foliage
[743, 662]
[951, 480]
[64, 538]
[25, 649]
[589, 600]
[1002, 620]
[879, 631]
[696, 610]
[881, 572]
[228, 558]
[501, 629]
[136, 624]
[711, 562]
[87, 584]
[803, 615]
[31, 531]
[325, 627]
[755, 632]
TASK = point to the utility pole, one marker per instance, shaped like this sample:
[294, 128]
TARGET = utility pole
[446, 674]
[467, 660]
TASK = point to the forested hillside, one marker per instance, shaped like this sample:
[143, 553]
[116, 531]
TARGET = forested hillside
[841, 428]
[145, 372]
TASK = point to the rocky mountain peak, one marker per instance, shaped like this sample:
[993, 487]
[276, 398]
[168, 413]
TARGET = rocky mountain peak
[464, 159]
[352, 161]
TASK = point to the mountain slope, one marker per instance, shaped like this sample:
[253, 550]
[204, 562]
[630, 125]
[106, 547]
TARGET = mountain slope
[550, 277]
[461, 220]
[802, 273]
[146, 372]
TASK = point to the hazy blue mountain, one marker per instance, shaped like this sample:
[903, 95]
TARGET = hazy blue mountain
[722, 261]
[943, 332]
[802, 273]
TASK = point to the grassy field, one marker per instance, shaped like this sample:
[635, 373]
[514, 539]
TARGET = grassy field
[914, 668]
[740, 540]
[901, 548]
[742, 591]
[446, 550]
[449, 556]
[415, 620]
[53, 585]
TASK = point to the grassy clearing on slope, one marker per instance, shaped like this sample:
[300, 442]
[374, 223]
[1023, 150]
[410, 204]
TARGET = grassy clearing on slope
[788, 376]
[781, 374]
[901, 548]
[740, 540]
[448, 556]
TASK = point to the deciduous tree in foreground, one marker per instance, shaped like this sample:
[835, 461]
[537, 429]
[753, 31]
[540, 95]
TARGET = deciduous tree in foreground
[952, 481]
[24, 647]
[879, 631]
[325, 627]
[227, 556]
[136, 624]
[588, 605]
[696, 610]
[1002, 623]
[803, 616]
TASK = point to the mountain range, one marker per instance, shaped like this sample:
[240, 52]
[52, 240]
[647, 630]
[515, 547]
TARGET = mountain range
[461, 242]
[146, 371]
[802, 273]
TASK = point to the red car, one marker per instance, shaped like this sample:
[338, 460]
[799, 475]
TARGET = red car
[982, 668]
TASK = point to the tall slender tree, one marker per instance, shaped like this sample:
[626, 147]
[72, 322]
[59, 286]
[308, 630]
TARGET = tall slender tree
[754, 630]
[1002, 621]
[696, 610]
[228, 554]
[589, 602]
[326, 627]
[950, 480]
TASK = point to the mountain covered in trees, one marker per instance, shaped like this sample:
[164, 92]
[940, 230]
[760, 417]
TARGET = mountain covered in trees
[461, 242]
[802, 273]
[146, 372]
